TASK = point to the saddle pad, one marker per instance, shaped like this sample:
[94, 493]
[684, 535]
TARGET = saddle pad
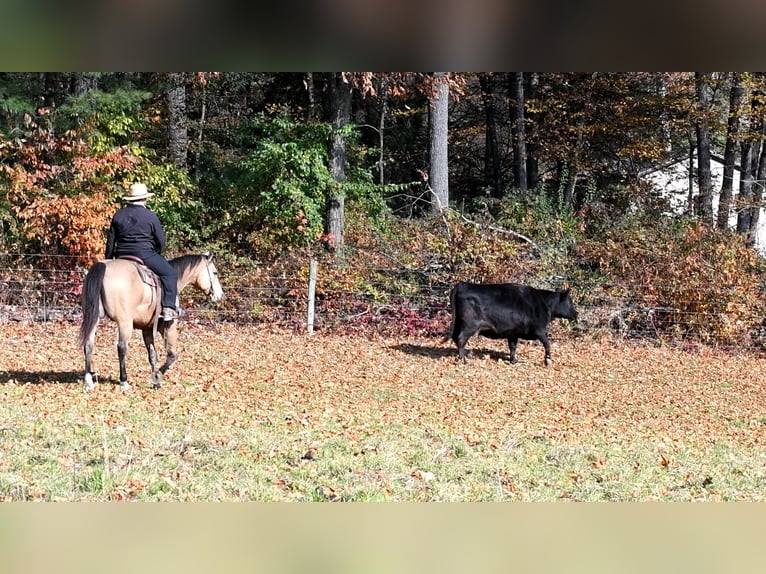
[147, 275]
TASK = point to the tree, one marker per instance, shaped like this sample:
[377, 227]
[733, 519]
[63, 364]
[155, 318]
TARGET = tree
[736, 97]
[533, 151]
[518, 131]
[702, 125]
[178, 137]
[492, 147]
[340, 116]
[750, 190]
[438, 141]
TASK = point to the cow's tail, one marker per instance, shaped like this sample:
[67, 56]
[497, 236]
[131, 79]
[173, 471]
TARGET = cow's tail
[448, 335]
[91, 300]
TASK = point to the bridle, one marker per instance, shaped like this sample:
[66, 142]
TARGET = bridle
[208, 262]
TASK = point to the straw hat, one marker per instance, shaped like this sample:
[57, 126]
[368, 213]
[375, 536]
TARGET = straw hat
[137, 192]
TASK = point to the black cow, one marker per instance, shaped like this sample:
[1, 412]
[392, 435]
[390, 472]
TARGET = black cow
[506, 311]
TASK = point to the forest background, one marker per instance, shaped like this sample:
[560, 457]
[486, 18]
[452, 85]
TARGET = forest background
[437, 177]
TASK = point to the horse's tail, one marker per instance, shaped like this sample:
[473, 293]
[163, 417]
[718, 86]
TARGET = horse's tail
[91, 300]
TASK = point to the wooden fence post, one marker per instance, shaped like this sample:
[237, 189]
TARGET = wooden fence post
[312, 291]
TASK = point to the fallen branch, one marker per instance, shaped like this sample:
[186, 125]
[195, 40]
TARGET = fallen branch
[502, 230]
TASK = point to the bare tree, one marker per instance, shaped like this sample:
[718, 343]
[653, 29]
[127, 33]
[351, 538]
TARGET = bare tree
[736, 98]
[518, 131]
[492, 145]
[178, 136]
[340, 112]
[438, 142]
[750, 186]
[531, 84]
[704, 181]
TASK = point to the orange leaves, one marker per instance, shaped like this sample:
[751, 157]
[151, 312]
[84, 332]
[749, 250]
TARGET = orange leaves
[73, 224]
[62, 189]
[695, 281]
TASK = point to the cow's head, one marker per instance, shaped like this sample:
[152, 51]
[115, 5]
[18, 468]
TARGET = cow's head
[565, 309]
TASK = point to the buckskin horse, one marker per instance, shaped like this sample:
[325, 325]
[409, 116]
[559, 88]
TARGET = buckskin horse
[119, 289]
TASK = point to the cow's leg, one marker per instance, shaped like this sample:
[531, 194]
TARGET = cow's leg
[543, 337]
[461, 338]
[512, 348]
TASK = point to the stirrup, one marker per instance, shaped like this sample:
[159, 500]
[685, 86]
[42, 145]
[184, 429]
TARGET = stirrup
[169, 314]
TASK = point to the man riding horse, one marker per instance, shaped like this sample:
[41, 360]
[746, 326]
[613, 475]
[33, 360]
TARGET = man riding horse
[136, 231]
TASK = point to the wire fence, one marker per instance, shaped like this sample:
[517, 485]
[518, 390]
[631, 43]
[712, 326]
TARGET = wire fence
[392, 302]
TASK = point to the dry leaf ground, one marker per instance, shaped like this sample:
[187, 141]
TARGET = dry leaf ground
[249, 413]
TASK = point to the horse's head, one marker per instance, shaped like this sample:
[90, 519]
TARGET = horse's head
[208, 279]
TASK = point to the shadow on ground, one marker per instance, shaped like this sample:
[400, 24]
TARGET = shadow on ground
[442, 352]
[40, 377]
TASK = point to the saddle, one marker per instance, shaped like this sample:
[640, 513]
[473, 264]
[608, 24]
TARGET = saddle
[147, 275]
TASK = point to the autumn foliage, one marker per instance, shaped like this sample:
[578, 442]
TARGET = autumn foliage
[695, 281]
[62, 191]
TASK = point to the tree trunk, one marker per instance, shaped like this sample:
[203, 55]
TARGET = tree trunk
[491, 149]
[758, 164]
[340, 110]
[84, 83]
[438, 141]
[518, 132]
[755, 210]
[573, 165]
[704, 182]
[690, 182]
[750, 129]
[383, 105]
[531, 81]
[311, 104]
[736, 98]
[200, 132]
[56, 88]
[745, 198]
[178, 136]
[571, 186]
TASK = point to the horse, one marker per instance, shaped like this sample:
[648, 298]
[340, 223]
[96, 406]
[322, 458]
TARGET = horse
[115, 288]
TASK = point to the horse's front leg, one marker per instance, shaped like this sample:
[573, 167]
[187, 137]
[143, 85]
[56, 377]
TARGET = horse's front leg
[170, 334]
[156, 376]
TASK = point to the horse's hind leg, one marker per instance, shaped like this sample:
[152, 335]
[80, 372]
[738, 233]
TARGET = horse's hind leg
[123, 335]
[156, 376]
[90, 343]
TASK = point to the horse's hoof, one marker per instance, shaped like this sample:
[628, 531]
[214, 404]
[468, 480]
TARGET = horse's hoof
[124, 386]
[89, 382]
[154, 381]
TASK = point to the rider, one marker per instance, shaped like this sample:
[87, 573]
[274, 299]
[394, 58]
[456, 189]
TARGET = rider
[136, 230]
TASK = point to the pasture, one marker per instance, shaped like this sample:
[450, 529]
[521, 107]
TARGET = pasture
[253, 414]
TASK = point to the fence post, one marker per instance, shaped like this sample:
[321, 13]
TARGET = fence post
[312, 291]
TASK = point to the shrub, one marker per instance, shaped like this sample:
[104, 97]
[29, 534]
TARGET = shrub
[699, 282]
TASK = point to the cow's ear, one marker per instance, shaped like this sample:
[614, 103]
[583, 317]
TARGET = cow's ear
[565, 293]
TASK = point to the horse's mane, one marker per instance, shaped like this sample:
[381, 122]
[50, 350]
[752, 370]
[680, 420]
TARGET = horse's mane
[185, 262]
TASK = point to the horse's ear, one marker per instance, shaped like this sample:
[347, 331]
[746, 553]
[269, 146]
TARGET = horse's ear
[208, 255]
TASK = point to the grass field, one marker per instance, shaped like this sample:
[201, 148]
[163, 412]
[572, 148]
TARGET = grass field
[252, 414]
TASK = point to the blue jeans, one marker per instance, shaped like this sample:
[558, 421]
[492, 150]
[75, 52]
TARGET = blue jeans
[168, 278]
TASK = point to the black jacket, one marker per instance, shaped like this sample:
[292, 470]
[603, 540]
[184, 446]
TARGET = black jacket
[135, 230]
